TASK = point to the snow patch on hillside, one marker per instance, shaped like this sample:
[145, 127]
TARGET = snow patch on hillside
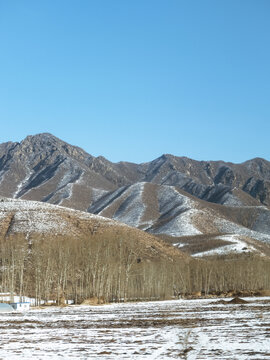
[67, 190]
[2, 175]
[131, 210]
[23, 183]
[98, 193]
[146, 225]
[238, 245]
[105, 201]
[31, 216]
[226, 226]
[180, 209]
[180, 226]
[230, 199]
[34, 216]
[39, 221]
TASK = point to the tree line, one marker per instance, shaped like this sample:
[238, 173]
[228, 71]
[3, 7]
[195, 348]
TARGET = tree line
[113, 268]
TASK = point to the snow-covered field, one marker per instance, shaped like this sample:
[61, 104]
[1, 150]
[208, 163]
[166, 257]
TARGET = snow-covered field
[182, 329]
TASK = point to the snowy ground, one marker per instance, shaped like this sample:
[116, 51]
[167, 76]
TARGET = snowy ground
[183, 329]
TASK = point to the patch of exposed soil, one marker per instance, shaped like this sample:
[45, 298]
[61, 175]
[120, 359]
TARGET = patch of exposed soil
[237, 300]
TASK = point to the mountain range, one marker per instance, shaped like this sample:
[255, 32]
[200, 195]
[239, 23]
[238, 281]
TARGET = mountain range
[201, 206]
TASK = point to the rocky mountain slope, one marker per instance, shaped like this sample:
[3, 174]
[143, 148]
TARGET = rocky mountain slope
[45, 168]
[170, 196]
[174, 215]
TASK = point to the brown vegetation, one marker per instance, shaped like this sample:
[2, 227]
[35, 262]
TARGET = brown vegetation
[116, 267]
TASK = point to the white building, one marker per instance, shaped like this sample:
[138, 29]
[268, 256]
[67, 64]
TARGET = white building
[21, 306]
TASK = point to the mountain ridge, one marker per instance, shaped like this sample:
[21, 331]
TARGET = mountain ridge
[170, 196]
[213, 181]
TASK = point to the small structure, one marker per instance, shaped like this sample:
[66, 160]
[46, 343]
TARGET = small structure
[21, 306]
[5, 307]
[5, 297]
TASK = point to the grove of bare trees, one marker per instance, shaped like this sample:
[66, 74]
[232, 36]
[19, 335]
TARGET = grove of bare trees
[112, 268]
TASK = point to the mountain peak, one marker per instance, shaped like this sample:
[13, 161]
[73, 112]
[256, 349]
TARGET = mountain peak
[167, 156]
[46, 142]
[256, 160]
[41, 137]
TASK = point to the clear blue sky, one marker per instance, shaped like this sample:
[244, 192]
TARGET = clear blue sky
[133, 79]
